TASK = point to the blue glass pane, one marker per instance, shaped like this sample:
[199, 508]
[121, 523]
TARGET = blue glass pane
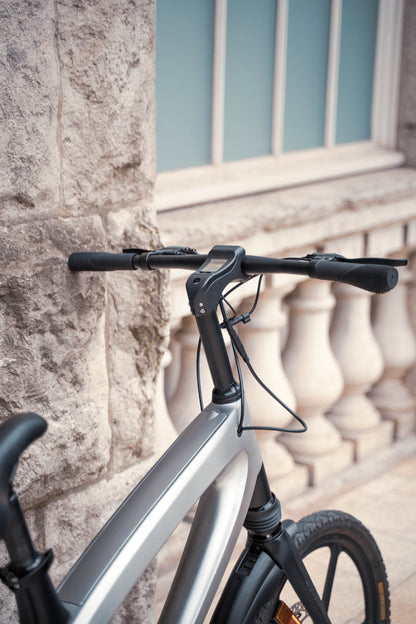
[184, 49]
[249, 78]
[355, 87]
[306, 74]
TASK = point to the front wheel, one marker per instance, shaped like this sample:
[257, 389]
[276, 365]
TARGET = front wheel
[346, 567]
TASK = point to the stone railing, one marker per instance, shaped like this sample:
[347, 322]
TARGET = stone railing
[343, 358]
[338, 355]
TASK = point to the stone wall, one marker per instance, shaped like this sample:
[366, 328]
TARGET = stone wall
[407, 97]
[77, 172]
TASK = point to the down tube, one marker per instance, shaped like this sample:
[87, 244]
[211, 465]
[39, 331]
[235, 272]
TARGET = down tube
[208, 453]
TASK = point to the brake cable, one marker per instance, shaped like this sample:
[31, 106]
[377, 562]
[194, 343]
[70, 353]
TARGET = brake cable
[239, 350]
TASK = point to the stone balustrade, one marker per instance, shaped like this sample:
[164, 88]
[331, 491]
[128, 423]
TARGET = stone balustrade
[340, 356]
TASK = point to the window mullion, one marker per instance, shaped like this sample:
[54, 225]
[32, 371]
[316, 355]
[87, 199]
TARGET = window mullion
[218, 82]
[333, 71]
[387, 72]
[279, 76]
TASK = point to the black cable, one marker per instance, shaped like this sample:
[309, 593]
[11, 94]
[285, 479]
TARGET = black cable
[240, 427]
[282, 403]
[198, 373]
[239, 348]
[240, 284]
[256, 299]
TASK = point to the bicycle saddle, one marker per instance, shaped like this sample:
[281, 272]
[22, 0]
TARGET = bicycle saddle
[16, 434]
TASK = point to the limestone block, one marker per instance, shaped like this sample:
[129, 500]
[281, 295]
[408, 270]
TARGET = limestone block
[349, 246]
[108, 113]
[139, 606]
[52, 352]
[385, 240]
[138, 333]
[8, 608]
[272, 222]
[29, 77]
[407, 96]
[184, 404]
[395, 336]
[70, 524]
[359, 357]
[411, 233]
[164, 432]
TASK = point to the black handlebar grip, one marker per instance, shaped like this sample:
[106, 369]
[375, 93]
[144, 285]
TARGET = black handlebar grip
[101, 261]
[375, 278]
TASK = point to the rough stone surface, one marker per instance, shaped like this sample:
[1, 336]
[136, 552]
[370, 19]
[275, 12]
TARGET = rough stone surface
[138, 318]
[81, 515]
[8, 608]
[29, 153]
[77, 167]
[106, 93]
[324, 210]
[49, 318]
[407, 97]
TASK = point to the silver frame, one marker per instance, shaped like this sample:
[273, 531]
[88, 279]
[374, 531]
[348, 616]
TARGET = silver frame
[209, 462]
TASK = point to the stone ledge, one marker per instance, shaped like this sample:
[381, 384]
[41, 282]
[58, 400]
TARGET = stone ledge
[270, 221]
[321, 497]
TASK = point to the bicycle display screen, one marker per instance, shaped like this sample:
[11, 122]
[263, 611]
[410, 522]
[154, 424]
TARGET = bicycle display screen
[212, 265]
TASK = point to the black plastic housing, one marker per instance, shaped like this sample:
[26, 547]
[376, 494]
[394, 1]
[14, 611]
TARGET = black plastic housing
[374, 278]
[101, 261]
[16, 434]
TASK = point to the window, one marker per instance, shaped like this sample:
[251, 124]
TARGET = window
[278, 91]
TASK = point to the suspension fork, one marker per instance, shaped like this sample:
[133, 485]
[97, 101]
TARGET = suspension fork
[276, 539]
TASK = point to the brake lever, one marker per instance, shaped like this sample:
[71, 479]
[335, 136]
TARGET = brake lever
[334, 257]
[163, 251]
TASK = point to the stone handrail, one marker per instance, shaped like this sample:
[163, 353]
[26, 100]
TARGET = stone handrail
[346, 354]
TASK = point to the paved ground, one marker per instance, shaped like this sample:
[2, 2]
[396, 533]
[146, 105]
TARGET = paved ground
[386, 504]
[382, 494]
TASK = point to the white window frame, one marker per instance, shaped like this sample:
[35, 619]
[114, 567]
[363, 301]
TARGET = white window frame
[221, 180]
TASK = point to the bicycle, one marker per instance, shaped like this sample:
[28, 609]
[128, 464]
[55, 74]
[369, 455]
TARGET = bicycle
[215, 461]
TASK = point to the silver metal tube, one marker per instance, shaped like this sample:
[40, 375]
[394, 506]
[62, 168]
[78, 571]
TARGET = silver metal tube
[208, 452]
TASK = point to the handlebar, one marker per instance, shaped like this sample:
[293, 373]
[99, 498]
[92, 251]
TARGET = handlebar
[376, 275]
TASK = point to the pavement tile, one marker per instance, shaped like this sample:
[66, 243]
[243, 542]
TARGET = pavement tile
[408, 488]
[399, 556]
[393, 513]
[407, 468]
[403, 602]
[386, 505]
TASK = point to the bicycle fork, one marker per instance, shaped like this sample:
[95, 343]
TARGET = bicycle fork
[276, 539]
[282, 550]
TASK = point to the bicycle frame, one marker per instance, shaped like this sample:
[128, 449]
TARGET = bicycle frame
[208, 461]
[216, 460]
[211, 462]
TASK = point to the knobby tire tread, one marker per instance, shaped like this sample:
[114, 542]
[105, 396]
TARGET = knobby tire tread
[323, 524]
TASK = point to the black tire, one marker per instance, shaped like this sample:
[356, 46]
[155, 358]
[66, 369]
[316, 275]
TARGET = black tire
[351, 548]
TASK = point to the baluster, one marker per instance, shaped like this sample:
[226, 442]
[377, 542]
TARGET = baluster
[261, 339]
[397, 342]
[184, 405]
[361, 363]
[164, 431]
[316, 380]
[411, 375]
[173, 370]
